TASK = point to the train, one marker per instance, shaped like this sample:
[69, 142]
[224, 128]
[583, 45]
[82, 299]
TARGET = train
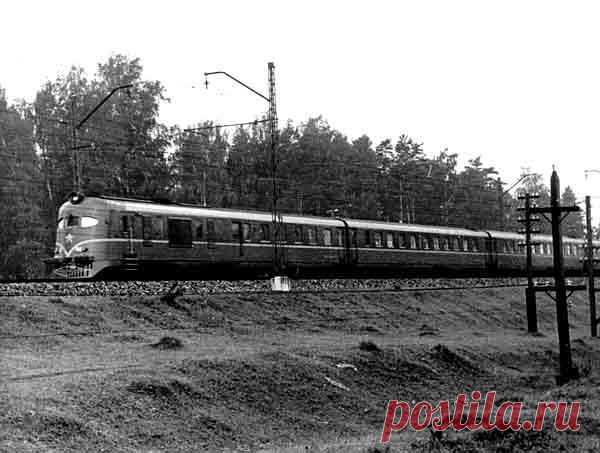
[105, 237]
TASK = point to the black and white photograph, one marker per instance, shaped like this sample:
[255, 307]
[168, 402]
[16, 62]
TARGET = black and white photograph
[289, 227]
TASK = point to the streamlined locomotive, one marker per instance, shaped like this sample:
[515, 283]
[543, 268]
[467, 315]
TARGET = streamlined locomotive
[100, 237]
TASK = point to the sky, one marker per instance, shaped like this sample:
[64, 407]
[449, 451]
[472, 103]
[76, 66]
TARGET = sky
[515, 82]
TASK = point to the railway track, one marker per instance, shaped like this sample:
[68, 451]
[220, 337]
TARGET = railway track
[158, 288]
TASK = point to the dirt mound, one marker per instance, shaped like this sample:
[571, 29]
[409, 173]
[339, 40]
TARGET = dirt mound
[168, 343]
[369, 346]
[452, 361]
[47, 429]
[160, 389]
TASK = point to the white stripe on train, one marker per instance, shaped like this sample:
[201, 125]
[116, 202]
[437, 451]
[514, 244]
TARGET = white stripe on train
[68, 253]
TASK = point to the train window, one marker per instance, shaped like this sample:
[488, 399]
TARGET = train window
[444, 244]
[180, 233]
[157, 228]
[413, 242]
[264, 232]
[340, 237]
[235, 231]
[361, 238]
[389, 240]
[132, 225]
[246, 232]
[138, 227]
[465, 245]
[147, 228]
[87, 222]
[200, 231]
[368, 238]
[318, 236]
[455, 244]
[210, 230]
[327, 237]
[310, 235]
[255, 232]
[377, 239]
[436, 243]
[60, 224]
[72, 221]
[290, 233]
[424, 243]
[151, 228]
[474, 246]
[297, 234]
[400, 242]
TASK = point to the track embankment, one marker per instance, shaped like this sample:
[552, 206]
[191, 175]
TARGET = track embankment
[275, 371]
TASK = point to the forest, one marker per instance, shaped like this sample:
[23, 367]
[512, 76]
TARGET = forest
[123, 149]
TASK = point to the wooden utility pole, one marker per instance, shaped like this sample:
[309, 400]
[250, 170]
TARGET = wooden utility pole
[562, 310]
[530, 295]
[567, 372]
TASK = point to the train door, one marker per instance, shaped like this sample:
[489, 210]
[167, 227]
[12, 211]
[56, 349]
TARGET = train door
[131, 229]
[152, 233]
[339, 240]
[211, 234]
[491, 253]
[237, 237]
[352, 245]
[348, 240]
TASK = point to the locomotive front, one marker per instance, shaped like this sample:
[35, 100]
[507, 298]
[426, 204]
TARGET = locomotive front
[81, 233]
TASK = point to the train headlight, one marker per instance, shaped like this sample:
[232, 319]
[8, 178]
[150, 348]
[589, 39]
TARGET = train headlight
[76, 198]
[80, 249]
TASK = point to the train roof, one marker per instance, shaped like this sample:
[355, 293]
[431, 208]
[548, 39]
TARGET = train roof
[536, 237]
[414, 228]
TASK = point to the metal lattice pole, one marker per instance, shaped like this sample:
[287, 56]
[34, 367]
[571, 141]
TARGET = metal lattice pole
[273, 134]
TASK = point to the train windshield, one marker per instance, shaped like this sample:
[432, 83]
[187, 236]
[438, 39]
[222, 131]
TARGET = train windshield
[76, 221]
